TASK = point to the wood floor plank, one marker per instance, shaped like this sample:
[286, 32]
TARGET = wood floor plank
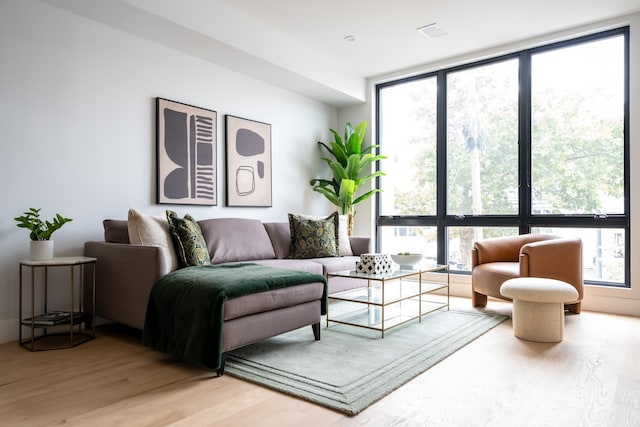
[591, 378]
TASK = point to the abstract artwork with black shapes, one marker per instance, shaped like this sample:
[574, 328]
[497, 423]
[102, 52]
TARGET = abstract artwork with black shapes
[186, 153]
[248, 148]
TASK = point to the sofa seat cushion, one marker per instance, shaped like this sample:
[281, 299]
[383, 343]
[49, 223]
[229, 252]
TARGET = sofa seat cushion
[331, 265]
[272, 300]
[291, 264]
[487, 278]
[236, 239]
[280, 235]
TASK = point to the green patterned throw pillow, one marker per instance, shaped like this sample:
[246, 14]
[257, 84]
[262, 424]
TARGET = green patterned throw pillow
[187, 236]
[313, 238]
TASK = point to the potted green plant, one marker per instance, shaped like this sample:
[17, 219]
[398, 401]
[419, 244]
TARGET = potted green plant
[349, 166]
[40, 232]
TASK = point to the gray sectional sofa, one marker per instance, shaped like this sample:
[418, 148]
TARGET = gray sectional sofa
[125, 274]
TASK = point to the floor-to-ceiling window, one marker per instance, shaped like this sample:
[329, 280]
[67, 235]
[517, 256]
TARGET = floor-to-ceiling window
[535, 141]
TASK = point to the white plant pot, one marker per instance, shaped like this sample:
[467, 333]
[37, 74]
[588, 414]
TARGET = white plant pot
[41, 250]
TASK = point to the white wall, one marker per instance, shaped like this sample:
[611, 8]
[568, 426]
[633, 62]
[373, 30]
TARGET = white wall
[77, 119]
[607, 299]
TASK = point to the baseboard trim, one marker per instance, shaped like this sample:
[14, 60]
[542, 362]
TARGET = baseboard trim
[612, 305]
[460, 286]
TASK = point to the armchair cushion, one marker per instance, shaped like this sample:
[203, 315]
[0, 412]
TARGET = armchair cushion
[485, 275]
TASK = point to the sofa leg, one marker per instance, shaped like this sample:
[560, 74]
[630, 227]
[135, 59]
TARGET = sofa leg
[478, 300]
[316, 331]
[223, 358]
[574, 308]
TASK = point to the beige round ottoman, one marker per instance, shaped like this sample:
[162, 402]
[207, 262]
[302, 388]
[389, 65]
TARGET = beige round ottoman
[538, 307]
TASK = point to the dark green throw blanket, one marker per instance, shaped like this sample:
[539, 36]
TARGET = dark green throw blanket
[185, 312]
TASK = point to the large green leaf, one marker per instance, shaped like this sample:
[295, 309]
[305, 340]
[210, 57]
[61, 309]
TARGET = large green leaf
[327, 148]
[348, 130]
[367, 159]
[368, 149]
[367, 178]
[360, 130]
[347, 189]
[339, 172]
[337, 138]
[329, 194]
[355, 139]
[324, 183]
[339, 152]
[353, 166]
[366, 195]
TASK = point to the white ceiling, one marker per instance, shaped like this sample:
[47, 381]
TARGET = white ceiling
[300, 44]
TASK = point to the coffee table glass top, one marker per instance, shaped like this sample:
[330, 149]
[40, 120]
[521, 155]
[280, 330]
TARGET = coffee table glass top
[395, 274]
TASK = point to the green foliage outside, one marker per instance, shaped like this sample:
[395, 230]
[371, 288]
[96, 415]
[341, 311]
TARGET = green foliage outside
[577, 154]
[577, 151]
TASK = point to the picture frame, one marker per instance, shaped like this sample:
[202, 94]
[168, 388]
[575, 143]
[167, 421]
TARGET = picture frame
[248, 162]
[186, 150]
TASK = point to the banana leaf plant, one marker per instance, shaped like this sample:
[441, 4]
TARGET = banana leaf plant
[349, 166]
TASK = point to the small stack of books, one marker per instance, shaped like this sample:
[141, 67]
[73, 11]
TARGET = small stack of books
[54, 318]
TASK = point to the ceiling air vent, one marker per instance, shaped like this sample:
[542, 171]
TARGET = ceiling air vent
[433, 31]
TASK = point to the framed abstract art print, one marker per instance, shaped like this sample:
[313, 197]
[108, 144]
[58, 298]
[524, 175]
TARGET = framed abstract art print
[186, 144]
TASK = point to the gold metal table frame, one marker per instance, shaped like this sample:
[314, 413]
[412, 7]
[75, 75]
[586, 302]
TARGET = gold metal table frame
[381, 295]
[76, 334]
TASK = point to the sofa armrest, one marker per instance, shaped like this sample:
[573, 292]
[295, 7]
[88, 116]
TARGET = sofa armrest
[125, 275]
[559, 259]
[360, 245]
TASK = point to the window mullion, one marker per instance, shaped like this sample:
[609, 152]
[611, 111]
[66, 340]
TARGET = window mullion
[441, 208]
[524, 143]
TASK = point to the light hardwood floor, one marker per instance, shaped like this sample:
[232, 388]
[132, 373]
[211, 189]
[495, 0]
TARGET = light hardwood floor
[592, 378]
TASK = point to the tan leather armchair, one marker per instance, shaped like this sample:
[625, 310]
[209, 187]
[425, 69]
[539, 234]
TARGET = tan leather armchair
[528, 255]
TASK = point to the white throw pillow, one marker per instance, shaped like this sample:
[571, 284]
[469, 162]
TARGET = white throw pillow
[147, 230]
[344, 244]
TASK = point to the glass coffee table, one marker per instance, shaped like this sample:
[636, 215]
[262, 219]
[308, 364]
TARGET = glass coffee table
[390, 299]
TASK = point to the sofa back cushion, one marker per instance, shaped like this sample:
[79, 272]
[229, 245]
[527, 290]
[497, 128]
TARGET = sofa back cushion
[280, 235]
[115, 231]
[236, 239]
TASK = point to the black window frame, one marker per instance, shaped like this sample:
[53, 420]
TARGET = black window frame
[525, 220]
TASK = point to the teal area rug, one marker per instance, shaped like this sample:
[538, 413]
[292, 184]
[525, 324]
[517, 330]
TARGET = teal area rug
[350, 368]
